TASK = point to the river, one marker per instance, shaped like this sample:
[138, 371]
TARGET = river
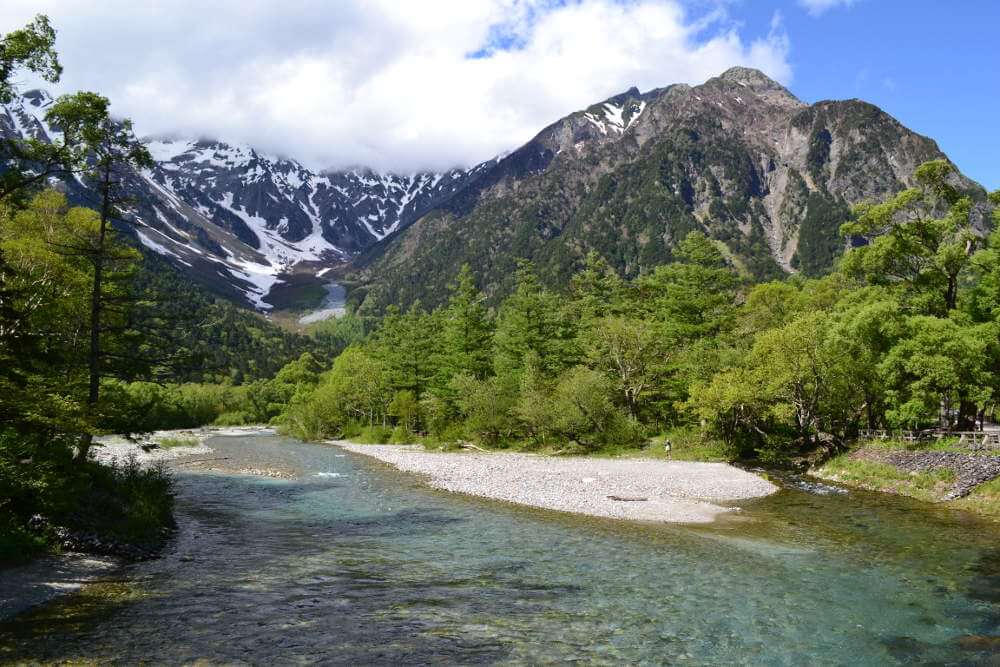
[355, 563]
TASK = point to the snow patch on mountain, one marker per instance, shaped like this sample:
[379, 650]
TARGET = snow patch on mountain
[249, 217]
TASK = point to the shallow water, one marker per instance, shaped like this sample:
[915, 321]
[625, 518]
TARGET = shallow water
[354, 563]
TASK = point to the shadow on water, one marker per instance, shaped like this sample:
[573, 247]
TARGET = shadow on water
[357, 564]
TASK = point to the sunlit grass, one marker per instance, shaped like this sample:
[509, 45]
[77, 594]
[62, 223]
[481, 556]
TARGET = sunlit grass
[929, 486]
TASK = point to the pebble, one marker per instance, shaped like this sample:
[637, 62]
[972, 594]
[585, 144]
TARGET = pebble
[675, 491]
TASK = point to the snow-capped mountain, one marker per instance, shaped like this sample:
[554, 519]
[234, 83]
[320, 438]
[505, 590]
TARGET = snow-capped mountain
[239, 219]
[739, 158]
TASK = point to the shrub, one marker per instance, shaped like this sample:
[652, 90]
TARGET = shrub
[375, 435]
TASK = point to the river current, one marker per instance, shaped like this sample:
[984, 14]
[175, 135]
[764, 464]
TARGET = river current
[353, 563]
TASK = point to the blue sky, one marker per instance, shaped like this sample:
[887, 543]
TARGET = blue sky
[934, 65]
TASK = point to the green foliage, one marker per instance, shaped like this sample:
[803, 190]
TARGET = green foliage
[338, 333]
[585, 412]
[356, 390]
[487, 407]
[819, 243]
[122, 502]
[467, 331]
[532, 321]
[922, 256]
[730, 369]
[939, 373]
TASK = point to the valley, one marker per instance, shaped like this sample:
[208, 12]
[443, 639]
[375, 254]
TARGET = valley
[376, 333]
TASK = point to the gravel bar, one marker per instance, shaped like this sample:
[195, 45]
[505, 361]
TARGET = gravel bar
[648, 490]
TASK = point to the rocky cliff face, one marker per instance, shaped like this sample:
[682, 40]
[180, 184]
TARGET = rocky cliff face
[739, 157]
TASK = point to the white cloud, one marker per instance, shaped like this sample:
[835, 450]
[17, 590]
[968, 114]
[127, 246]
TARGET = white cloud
[381, 82]
[817, 7]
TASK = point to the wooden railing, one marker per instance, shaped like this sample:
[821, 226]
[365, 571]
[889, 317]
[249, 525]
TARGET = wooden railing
[974, 440]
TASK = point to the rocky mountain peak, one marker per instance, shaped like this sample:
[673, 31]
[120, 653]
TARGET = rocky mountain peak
[750, 78]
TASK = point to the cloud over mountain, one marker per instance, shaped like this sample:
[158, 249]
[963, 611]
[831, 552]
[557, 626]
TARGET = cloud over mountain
[397, 86]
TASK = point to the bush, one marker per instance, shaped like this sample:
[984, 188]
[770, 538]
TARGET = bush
[587, 415]
[177, 442]
[234, 418]
[487, 406]
[402, 436]
[122, 502]
[374, 435]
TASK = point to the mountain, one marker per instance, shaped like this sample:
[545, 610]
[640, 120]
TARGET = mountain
[766, 176]
[241, 221]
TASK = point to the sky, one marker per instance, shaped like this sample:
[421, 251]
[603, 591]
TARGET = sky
[404, 85]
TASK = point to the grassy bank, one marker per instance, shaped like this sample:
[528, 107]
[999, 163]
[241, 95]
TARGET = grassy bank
[676, 445]
[861, 468]
[875, 476]
[985, 500]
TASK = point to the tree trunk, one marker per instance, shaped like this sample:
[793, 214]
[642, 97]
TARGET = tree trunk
[951, 296]
[966, 416]
[94, 357]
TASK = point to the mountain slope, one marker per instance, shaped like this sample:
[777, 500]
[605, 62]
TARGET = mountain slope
[238, 220]
[738, 157]
[767, 176]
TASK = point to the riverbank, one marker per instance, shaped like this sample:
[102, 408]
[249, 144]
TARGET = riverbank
[185, 449]
[956, 479]
[633, 489]
[88, 556]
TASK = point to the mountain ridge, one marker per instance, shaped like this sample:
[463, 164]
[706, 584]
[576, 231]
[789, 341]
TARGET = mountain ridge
[239, 219]
[768, 177]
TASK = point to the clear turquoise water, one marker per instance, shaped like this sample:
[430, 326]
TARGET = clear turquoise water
[362, 565]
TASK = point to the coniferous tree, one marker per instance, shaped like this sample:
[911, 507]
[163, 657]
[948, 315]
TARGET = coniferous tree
[467, 332]
[112, 154]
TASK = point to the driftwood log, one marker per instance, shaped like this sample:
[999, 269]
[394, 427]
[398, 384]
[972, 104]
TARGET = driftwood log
[627, 499]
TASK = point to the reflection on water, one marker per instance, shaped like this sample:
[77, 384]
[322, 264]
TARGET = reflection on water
[369, 567]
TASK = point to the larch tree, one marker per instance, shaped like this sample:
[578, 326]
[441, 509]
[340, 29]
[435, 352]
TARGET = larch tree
[111, 153]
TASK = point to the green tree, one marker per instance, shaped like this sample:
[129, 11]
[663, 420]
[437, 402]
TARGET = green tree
[28, 161]
[356, 390]
[467, 332]
[586, 412]
[695, 295]
[406, 409]
[534, 409]
[408, 345]
[487, 406]
[532, 320]
[910, 248]
[982, 301]
[112, 153]
[630, 352]
[597, 290]
[939, 372]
